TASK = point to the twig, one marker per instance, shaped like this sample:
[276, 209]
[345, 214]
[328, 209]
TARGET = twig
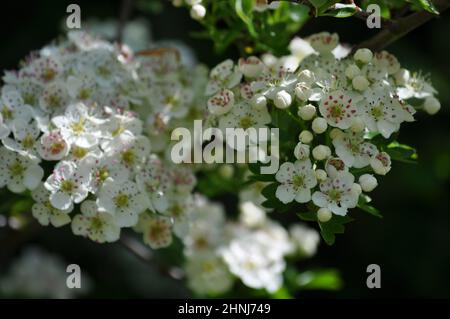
[125, 11]
[401, 27]
[144, 254]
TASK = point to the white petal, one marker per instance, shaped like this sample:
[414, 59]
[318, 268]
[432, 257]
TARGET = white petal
[33, 176]
[285, 193]
[61, 200]
[303, 195]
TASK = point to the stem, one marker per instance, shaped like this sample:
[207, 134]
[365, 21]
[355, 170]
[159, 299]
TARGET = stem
[402, 26]
[144, 254]
[125, 11]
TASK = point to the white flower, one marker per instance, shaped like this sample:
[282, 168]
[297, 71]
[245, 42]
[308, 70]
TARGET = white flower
[97, 226]
[353, 150]
[305, 239]
[244, 116]
[124, 201]
[336, 194]
[25, 138]
[154, 180]
[223, 76]
[68, 184]
[385, 60]
[296, 180]
[157, 230]
[53, 146]
[54, 98]
[338, 109]
[12, 107]
[44, 212]
[252, 215]
[77, 126]
[207, 274]
[221, 103]
[18, 173]
[383, 113]
[104, 167]
[381, 163]
[300, 48]
[368, 182]
[129, 150]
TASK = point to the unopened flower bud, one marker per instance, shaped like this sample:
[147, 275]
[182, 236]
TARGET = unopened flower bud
[319, 125]
[306, 137]
[307, 112]
[259, 102]
[198, 12]
[351, 71]
[321, 152]
[360, 83]
[368, 182]
[363, 55]
[324, 215]
[432, 105]
[282, 100]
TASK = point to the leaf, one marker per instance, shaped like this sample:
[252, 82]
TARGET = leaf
[363, 204]
[308, 217]
[320, 279]
[322, 5]
[332, 227]
[402, 152]
[244, 9]
[269, 191]
[427, 5]
[341, 11]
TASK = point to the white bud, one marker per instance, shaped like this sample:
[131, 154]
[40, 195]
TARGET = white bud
[381, 163]
[335, 133]
[357, 125]
[360, 83]
[321, 175]
[319, 125]
[402, 77]
[306, 76]
[302, 91]
[306, 137]
[356, 189]
[251, 67]
[432, 105]
[301, 151]
[351, 71]
[368, 182]
[226, 171]
[321, 152]
[177, 3]
[282, 100]
[363, 55]
[324, 215]
[307, 112]
[259, 102]
[198, 12]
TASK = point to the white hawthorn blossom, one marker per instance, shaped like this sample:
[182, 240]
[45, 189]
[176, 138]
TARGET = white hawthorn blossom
[44, 212]
[97, 226]
[297, 179]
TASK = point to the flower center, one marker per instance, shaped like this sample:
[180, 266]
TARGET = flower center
[79, 152]
[103, 71]
[7, 113]
[78, 127]
[29, 99]
[96, 224]
[156, 231]
[102, 174]
[377, 111]
[121, 200]
[128, 157]
[54, 101]
[28, 142]
[48, 74]
[335, 195]
[336, 111]
[84, 94]
[246, 122]
[67, 186]
[16, 169]
[56, 147]
[298, 180]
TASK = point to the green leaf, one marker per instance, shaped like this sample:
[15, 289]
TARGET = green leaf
[332, 227]
[320, 279]
[402, 152]
[427, 5]
[363, 203]
[244, 10]
[269, 191]
[341, 11]
[309, 216]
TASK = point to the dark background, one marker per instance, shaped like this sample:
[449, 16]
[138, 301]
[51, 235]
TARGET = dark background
[411, 243]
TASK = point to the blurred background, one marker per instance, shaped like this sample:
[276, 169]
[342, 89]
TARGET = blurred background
[411, 243]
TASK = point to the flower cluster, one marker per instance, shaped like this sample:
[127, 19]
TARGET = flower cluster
[72, 134]
[346, 108]
[253, 248]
